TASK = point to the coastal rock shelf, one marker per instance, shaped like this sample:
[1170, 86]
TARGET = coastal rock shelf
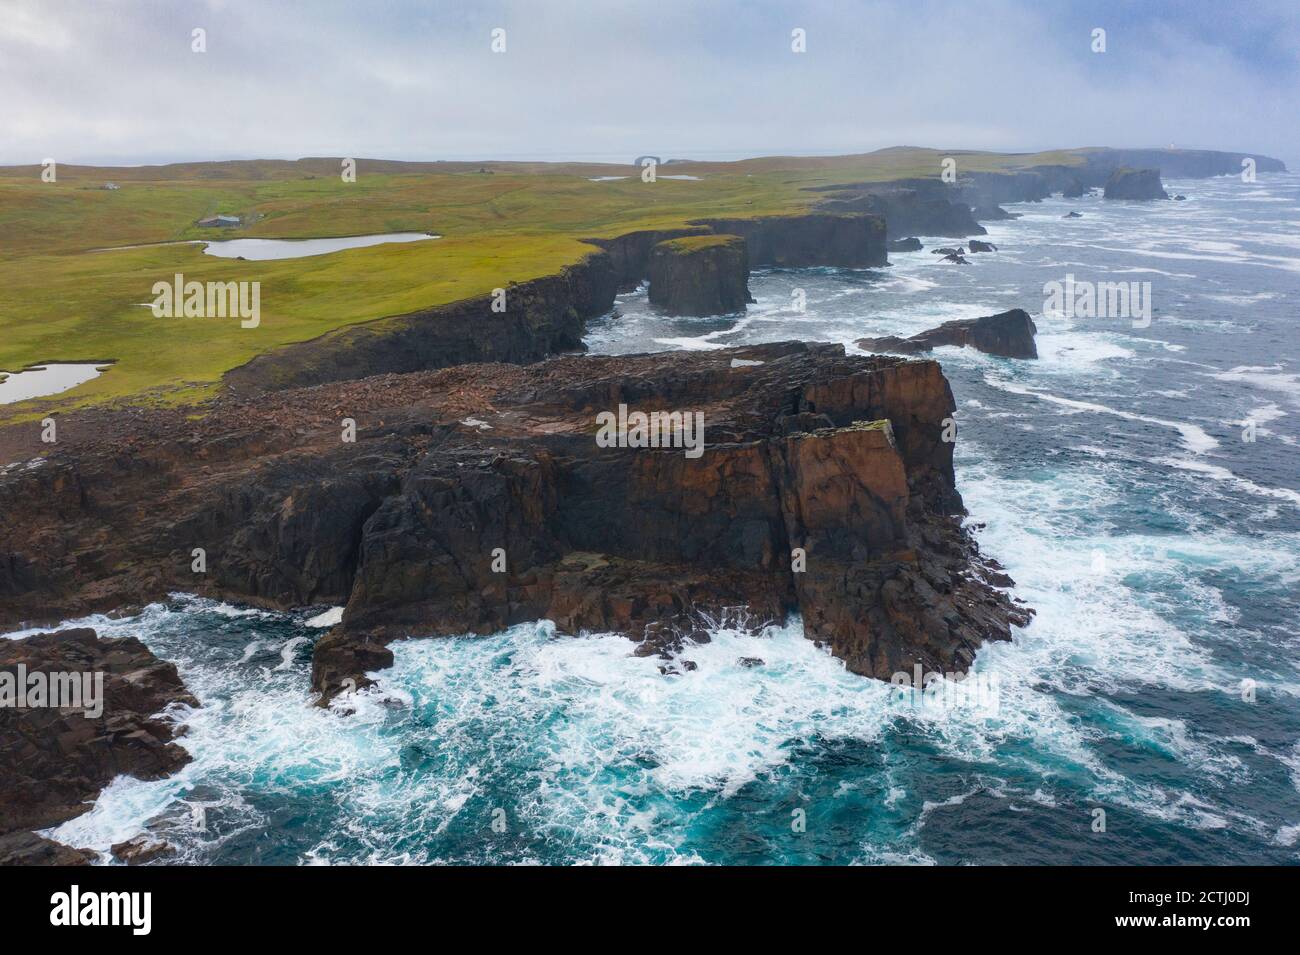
[53, 761]
[477, 497]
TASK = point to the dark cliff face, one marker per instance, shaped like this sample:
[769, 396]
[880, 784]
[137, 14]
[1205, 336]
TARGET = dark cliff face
[540, 318]
[1179, 163]
[1008, 334]
[53, 762]
[803, 241]
[910, 211]
[630, 253]
[703, 275]
[804, 447]
[1135, 184]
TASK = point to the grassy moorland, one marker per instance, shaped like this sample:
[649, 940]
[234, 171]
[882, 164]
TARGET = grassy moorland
[64, 298]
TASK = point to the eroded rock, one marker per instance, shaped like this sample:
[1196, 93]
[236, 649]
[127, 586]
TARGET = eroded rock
[1125, 183]
[700, 275]
[824, 487]
[53, 762]
[1009, 334]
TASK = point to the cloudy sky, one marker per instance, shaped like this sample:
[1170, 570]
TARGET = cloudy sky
[116, 81]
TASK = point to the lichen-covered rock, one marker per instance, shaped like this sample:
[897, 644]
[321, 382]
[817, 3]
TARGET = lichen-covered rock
[700, 275]
[1009, 334]
[1127, 183]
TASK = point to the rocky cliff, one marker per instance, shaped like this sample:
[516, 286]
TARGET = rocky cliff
[546, 316]
[630, 253]
[700, 275]
[1135, 184]
[53, 762]
[481, 496]
[907, 211]
[1008, 334]
[532, 321]
[1178, 163]
[847, 241]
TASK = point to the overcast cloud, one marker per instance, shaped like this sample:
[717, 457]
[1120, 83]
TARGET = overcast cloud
[97, 81]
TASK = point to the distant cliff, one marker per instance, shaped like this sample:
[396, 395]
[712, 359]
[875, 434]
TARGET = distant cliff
[1128, 183]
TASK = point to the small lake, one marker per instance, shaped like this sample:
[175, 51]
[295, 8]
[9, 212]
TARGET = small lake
[41, 380]
[261, 249]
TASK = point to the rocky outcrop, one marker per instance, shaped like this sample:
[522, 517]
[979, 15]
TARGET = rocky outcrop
[847, 241]
[27, 848]
[1135, 184]
[480, 496]
[1008, 334]
[53, 762]
[977, 246]
[700, 275]
[908, 211]
[910, 244]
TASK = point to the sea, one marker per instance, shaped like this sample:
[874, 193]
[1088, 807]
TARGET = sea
[1139, 481]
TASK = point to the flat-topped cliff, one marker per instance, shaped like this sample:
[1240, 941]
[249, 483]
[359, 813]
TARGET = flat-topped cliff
[793, 479]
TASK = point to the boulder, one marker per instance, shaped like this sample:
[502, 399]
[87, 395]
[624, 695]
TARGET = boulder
[910, 244]
[1125, 183]
[1008, 334]
[977, 246]
[700, 275]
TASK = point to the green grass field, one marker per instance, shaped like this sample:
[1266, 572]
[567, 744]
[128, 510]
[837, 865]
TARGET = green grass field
[62, 300]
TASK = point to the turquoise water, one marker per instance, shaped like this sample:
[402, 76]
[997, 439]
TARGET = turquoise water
[1161, 551]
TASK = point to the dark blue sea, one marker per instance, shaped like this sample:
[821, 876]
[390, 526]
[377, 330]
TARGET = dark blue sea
[1139, 481]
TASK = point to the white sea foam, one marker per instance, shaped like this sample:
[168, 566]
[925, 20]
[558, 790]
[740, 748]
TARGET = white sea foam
[1194, 436]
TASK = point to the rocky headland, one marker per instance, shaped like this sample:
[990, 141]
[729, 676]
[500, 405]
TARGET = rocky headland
[480, 496]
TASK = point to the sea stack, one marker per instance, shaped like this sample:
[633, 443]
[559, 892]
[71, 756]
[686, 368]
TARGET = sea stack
[700, 275]
[1135, 184]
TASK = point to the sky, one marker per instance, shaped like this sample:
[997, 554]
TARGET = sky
[118, 81]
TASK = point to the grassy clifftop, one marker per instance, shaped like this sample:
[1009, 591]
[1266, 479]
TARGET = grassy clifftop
[61, 300]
